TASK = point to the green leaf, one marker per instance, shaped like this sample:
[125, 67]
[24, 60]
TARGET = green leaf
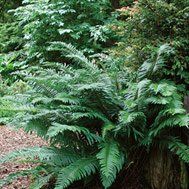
[57, 128]
[106, 128]
[180, 149]
[76, 171]
[111, 161]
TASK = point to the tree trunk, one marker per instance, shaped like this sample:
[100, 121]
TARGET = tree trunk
[186, 103]
[163, 171]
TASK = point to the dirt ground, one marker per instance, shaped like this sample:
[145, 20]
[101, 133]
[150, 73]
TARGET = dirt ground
[11, 140]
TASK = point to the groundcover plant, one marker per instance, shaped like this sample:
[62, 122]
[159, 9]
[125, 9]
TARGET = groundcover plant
[104, 83]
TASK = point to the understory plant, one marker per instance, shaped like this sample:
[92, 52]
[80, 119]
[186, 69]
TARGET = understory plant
[92, 126]
[105, 113]
[75, 109]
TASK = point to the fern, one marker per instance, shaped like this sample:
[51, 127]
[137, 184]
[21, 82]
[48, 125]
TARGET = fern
[151, 67]
[111, 162]
[71, 52]
[44, 154]
[59, 128]
[76, 171]
[95, 109]
[180, 149]
[41, 181]
[95, 88]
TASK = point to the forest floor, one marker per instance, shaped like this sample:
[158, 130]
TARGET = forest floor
[11, 140]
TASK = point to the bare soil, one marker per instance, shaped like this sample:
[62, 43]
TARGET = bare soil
[11, 140]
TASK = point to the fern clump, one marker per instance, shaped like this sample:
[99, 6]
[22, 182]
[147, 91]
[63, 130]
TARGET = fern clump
[81, 111]
[105, 113]
[69, 107]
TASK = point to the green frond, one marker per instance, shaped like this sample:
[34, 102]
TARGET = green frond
[40, 181]
[181, 120]
[151, 66]
[158, 100]
[76, 171]
[164, 50]
[40, 87]
[90, 115]
[143, 87]
[111, 161]
[129, 117]
[57, 128]
[164, 88]
[32, 123]
[72, 53]
[16, 103]
[65, 98]
[92, 87]
[180, 149]
[107, 128]
[43, 154]
[145, 69]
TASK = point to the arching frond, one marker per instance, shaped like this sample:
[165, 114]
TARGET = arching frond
[71, 52]
[151, 66]
[111, 162]
[76, 171]
[180, 149]
[41, 181]
[43, 154]
[57, 128]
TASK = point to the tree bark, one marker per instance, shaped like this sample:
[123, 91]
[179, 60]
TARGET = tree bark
[115, 4]
[163, 171]
[186, 103]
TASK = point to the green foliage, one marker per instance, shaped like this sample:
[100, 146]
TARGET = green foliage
[65, 106]
[76, 171]
[10, 66]
[111, 162]
[78, 22]
[75, 107]
[180, 149]
[10, 37]
[5, 6]
[95, 104]
[150, 24]
[10, 42]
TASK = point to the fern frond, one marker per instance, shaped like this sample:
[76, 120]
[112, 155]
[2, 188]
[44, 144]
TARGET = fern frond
[40, 181]
[43, 154]
[165, 88]
[65, 98]
[73, 53]
[158, 100]
[150, 66]
[180, 149]
[145, 69]
[90, 115]
[57, 128]
[129, 117]
[111, 162]
[76, 171]
[143, 87]
[181, 120]
[107, 128]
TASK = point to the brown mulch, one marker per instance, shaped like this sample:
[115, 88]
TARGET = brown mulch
[11, 140]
